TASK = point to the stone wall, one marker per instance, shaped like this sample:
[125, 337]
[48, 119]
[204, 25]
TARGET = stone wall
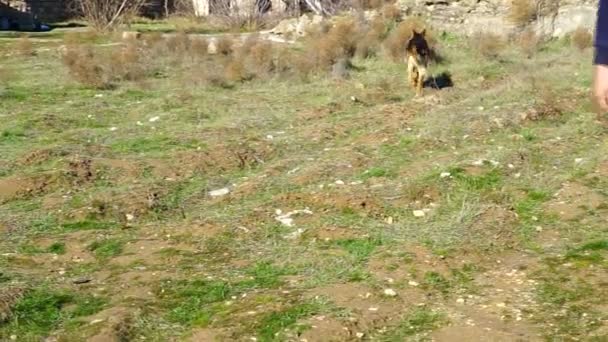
[470, 16]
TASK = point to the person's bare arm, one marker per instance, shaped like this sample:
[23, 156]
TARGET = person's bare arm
[600, 72]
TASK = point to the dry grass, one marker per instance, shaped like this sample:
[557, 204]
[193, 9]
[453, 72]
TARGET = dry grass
[224, 46]
[236, 71]
[488, 45]
[581, 39]
[24, 47]
[9, 297]
[528, 42]
[324, 50]
[522, 12]
[85, 67]
[391, 12]
[178, 43]
[261, 58]
[199, 47]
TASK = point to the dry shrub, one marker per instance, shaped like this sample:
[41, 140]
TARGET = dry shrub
[547, 104]
[25, 47]
[340, 42]
[199, 47]
[528, 42]
[488, 45]
[235, 70]
[152, 39]
[105, 15]
[178, 43]
[224, 46]
[397, 39]
[85, 67]
[261, 58]
[391, 12]
[9, 297]
[126, 62]
[370, 4]
[581, 38]
[369, 45]
[522, 12]
[75, 38]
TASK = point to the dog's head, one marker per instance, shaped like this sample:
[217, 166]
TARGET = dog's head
[417, 45]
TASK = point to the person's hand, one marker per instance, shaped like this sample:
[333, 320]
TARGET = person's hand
[600, 88]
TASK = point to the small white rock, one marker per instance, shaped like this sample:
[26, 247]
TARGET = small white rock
[130, 217]
[390, 293]
[460, 300]
[445, 174]
[373, 309]
[578, 160]
[360, 335]
[219, 192]
[412, 283]
[154, 119]
[269, 137]
[419, 213]
[113, 129]
[339, 182]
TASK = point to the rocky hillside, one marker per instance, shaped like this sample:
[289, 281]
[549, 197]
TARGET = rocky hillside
[555, 18]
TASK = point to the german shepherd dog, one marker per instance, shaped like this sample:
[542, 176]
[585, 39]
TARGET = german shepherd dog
[418, 54]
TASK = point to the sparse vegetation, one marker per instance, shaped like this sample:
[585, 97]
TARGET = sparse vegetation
[488, 45]
[154, 189]
[581, 38]
[522, 12]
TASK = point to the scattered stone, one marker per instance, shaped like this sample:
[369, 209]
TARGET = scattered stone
[80, 281]
[579, 160]
[129, 217]
[154, 119]
[390, 293]
[389, 220]
[112, 129]
[360, 334]
[412, 283]
[445, 174]
[219, 192]
[373, 309]
[419, 213]
[460, 300]
[286, 219]
[339, 182]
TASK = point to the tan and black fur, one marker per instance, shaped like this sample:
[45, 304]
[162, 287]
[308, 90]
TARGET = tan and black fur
[418, 54]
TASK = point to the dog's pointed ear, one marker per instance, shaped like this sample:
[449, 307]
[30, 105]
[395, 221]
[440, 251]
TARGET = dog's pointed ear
[423, 32]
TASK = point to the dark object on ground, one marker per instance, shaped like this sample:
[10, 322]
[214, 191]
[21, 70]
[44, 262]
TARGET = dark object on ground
[443, 80]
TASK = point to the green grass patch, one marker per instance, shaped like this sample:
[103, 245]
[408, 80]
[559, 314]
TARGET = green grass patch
[87, 225]
[417, 321]
[191, 302]
[43, 309]
[273, 324]
[151, 144]
[105, 249]
[360, 249]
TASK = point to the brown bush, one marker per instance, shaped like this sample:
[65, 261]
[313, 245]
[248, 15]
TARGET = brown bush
[528, 42]
[152, 39]
[339, 42]
[199, 47]
[86, 68]
[25, 47]
[261, 58]
[126, 63]
[178, 43]
[581, 38]
[105, 15]
[488, 45]
[522, 12]
[235, 70]
[224, 46]
[391, 12]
